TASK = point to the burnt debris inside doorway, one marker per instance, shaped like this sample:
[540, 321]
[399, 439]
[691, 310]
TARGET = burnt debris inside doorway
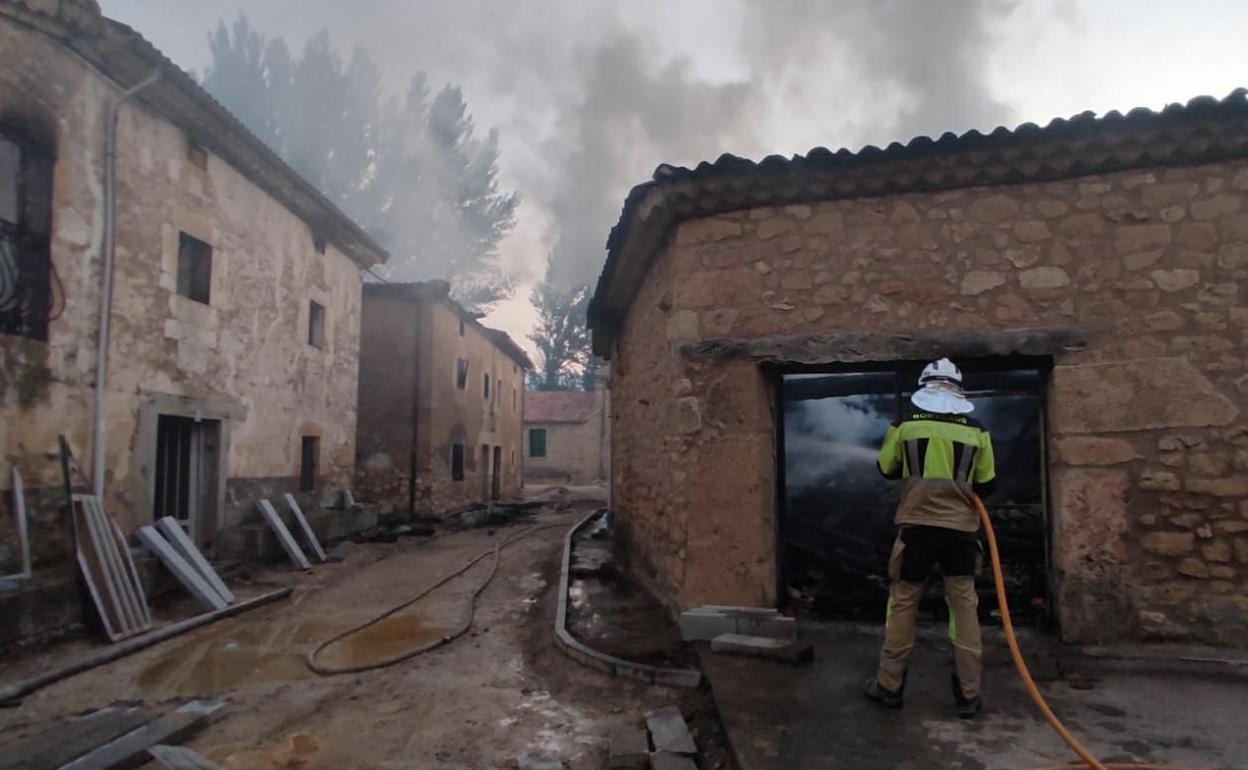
[187, 467]
[836, 527]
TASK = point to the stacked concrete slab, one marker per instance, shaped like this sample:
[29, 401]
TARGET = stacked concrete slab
[702, 624]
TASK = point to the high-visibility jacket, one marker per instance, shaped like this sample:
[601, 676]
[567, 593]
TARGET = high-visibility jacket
[941, 458]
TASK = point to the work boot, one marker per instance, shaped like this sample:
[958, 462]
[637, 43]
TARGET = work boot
[887, 698]
[967, 707]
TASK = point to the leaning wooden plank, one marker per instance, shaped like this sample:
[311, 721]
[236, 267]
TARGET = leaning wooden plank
[177, 538]
[67, 741]
[128, 576]
[116, 565]
[145, 612]
[181, 758]
[283, 535]
[181, 569]
[308, 534]
[102, 543]
[131, 749]
[12, 692]
[99, 582]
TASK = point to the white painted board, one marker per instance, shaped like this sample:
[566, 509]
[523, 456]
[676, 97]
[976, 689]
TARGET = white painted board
[283, 535]
[308, 534]
[177, 537]
[181, 569]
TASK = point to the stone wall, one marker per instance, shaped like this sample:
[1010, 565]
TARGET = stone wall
[245, 351]
[1148, 444]
[574, 450]
[450, 415]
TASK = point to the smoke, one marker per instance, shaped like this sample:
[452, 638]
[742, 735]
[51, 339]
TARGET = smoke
[590, 95]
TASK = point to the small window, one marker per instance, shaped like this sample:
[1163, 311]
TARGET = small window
[457, 462]
[461, 373]
[194, 268]
[25, 235]
[461, 326]
[316, 324]
[318, 243]
[537, 442]
[513, 398]
[486, 389]
[309, 456]
[197, 155]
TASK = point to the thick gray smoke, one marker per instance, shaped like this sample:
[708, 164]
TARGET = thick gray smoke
[591, 95]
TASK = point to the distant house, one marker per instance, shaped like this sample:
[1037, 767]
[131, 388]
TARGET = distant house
[565, 437]
[440, 400]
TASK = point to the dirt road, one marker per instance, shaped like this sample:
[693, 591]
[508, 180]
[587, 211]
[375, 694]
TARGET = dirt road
[498, 692]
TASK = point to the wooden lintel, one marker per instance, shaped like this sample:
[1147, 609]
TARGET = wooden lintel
[857, 347]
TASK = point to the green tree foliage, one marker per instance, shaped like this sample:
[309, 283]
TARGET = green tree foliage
[412, 171]
[565, 357]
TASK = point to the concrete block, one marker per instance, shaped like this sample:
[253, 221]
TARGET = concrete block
[629, 749]
[704, 625]
[767, 612]
[529, 762]
[663, 760]
[778, 627]
[669, 732]
[764, 647]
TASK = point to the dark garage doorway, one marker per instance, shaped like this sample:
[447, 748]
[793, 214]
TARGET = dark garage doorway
[836, 523]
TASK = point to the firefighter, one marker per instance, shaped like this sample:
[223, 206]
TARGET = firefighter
[942, 455]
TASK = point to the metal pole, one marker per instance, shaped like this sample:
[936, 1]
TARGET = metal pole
[106, 292]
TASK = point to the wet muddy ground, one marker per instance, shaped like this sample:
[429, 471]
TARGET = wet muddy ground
[499, 691]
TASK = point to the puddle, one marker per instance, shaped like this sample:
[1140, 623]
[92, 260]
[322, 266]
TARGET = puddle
[256, 654]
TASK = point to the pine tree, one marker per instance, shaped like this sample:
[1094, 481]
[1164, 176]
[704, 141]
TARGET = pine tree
[565, 358]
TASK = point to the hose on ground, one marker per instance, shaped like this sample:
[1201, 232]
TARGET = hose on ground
[470, 612]
[1088, 760]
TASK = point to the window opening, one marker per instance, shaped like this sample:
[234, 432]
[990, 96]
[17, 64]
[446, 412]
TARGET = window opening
[537, 442]
[194, 268]
[26, 270]
[309, 459]
[461, 373]
[316, 324]
[457, 462]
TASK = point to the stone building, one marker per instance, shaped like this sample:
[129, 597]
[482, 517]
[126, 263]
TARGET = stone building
[441, 399]
[1106, 258]
[565, 436]
[232, 342]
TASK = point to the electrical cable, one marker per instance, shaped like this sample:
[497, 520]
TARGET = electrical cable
[469, 613]
[1037, 698]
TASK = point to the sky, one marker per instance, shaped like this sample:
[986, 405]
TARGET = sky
[589, 96]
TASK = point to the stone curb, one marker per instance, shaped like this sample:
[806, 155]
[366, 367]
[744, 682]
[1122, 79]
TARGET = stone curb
[607, 664]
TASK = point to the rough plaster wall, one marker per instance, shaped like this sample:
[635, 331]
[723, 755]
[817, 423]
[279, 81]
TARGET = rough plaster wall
[386, 399]
[1148, 442]
[249, 346]
[573, 450]
[464, 416]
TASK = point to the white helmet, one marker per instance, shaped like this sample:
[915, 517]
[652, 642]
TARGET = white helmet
[940, 389]
[943, 370]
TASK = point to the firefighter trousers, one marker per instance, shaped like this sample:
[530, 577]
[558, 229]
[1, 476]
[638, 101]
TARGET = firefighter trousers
[958, 556]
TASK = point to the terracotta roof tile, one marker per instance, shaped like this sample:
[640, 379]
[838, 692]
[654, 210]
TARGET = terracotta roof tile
[571, 406]
[1203, 130]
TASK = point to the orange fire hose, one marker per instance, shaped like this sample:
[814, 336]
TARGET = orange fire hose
[1024, 674]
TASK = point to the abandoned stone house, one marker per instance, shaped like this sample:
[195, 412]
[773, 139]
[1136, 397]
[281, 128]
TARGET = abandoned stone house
[765, 321]
[441, 399]
[565, 436]
[231, 347]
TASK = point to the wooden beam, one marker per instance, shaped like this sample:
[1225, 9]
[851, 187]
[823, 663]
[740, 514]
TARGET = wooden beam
[283, 535]
[177, 537]
[308, 534]
[181, 568]
[859, 347]
[130, 750]
[66, 741]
